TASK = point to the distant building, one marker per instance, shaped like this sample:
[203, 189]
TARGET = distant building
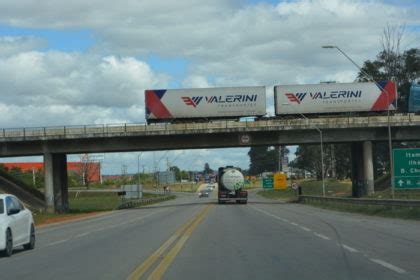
[90, 169]
[166, 177]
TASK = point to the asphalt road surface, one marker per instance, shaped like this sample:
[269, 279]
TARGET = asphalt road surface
[194, 238]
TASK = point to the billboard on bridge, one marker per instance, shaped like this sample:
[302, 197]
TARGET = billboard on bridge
[334, 98]
[205, 103]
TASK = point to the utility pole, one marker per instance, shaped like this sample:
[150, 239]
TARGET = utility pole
[138, 169]
[33, 177]
[155, 170]
[280, 158]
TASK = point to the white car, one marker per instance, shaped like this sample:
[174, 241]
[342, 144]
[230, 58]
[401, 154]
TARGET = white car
[16, 225]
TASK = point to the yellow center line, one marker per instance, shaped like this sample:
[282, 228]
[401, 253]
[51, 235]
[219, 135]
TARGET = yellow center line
[169, 258]
[139, 271]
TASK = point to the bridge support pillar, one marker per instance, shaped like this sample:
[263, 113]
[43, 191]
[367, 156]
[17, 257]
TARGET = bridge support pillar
[368, 167]
[362, 168]
[357, 169]
[56, 191]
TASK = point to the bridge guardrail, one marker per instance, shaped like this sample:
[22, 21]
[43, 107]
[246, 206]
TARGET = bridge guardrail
[360, 201]
[109, 129]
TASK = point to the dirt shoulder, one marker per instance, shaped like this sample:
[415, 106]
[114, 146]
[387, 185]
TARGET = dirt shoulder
[45, 219]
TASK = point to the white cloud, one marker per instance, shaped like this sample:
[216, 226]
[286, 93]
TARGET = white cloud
[55, 88]
[233, 42]
[10, 45]
[195, 81]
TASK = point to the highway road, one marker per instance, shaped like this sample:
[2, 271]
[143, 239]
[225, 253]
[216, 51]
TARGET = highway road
[194, 238]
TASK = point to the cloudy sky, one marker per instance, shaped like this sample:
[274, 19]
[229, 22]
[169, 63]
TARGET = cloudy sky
[88, 62]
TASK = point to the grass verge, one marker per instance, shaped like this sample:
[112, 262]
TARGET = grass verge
[310, 187]
[332, 187]
[373, 210]
[340, 188]
[287, 194]
[86, 204]
[399, 194]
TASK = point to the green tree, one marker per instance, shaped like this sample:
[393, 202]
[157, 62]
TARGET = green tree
[207, 169]
[184, 175]
[342, 156]
[408, 72]
[177, 172]
[337, 160]
[403, 67]
[391, 63]
[265, 159]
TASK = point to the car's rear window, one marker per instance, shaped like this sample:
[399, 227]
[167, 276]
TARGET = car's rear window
[1, 206]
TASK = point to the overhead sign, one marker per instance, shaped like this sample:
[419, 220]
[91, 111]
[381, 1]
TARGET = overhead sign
[280, 181]
[406, 168]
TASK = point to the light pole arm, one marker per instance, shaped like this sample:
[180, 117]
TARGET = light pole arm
[355, 64]
[370, 77]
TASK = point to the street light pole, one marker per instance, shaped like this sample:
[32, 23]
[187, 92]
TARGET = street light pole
[391, 159]
[322, 155]
[138, 169]
[322, 152]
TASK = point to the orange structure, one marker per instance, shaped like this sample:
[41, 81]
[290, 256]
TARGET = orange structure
[92, 170]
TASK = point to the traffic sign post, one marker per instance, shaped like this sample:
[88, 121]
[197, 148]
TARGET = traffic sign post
[268, 182]
[406, 168]
[280, 181]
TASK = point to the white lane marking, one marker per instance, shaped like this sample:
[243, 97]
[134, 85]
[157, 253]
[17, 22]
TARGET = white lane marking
[322, 236]
[389, 266]
[350, 249]
[346, 247]
[305, 228]
[57, 242]
[82, 234]
[116, 225]
[103, 228]
[282, 219]
[84, 220]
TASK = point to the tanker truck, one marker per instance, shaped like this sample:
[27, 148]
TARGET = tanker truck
[230, 184]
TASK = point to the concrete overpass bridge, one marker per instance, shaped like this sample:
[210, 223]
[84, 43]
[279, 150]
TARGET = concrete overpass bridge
[54, 143]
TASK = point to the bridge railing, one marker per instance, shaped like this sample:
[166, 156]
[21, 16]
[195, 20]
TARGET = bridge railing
[296, 123]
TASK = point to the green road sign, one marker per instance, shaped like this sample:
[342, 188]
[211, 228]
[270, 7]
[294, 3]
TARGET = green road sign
[406, 168]
[268, 182]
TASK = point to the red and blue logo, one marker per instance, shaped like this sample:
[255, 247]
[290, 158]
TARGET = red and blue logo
[192, 101]
[297, 98]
